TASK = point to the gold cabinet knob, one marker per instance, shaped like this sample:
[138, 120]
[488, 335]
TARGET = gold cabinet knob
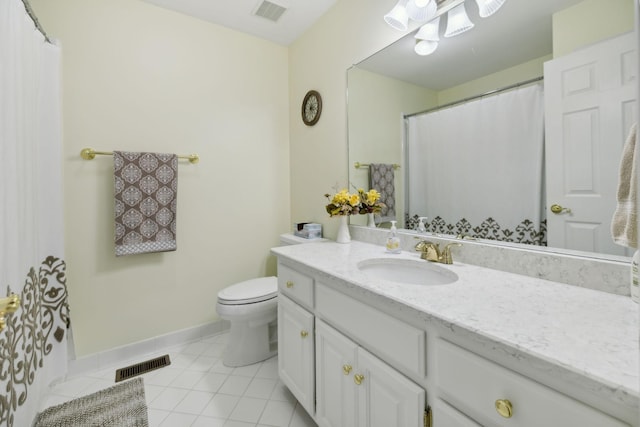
[289, 284]
[304, 333]
[347, 369]
[557, 209]
[504, 408]
[358, 378]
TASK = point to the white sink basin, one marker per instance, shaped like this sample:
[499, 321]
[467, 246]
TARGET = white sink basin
[408, 271]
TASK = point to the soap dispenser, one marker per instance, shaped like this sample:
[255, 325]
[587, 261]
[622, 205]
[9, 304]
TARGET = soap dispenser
[393, 241]
[421, 227]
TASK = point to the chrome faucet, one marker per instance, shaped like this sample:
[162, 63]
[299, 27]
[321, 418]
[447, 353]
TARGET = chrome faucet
[430, 251]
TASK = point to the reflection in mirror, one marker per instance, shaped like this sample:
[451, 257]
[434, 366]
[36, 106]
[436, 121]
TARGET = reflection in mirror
[524, 40]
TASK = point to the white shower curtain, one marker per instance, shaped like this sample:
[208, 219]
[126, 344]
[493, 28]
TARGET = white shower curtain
[33, 345]
[477, 168]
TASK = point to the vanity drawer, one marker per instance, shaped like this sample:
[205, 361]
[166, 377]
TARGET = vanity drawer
[295, 285]
[474, 385]
[399, 344]
[447, 416]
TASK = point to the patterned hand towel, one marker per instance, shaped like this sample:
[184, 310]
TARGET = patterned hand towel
[146, 187]
[381, 178]
[624, 224]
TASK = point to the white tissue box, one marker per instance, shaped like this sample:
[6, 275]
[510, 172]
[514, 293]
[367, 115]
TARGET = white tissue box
[307, 230]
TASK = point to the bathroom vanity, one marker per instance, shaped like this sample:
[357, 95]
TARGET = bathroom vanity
[471, 346]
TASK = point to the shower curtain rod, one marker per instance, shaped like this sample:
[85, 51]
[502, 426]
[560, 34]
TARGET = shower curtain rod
[471, 98]
[33, 17]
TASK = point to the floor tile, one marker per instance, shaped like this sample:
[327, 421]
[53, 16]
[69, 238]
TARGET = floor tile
[194, 402]
[277, 414]
[235, 385]
[220, 406]
[248, 409]
[156, 416]
[261, 388]
[197, 390]
[176, 419]
[187, 379]
[168, 399]
[203, 421]
[210, 381]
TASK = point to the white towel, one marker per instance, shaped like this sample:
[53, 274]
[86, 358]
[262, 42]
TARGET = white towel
[624, 224]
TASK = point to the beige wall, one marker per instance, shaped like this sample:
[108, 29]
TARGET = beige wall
[379, 125]
[351, 31]
[141, 78]
[590, 21]
[513, 75]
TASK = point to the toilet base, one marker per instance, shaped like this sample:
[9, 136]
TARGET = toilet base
[249, 343]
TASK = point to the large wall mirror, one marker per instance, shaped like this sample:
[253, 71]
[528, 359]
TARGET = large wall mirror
[530, 54]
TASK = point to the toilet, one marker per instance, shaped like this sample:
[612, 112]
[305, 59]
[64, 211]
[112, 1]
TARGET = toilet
[251, 307]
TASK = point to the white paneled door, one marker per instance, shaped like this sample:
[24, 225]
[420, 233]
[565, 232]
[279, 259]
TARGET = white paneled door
[590, 105]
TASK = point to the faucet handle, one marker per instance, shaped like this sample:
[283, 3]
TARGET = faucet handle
[446, 257]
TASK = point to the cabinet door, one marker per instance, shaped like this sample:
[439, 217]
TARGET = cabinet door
[385, 397]
[296, 350]
[335, 389]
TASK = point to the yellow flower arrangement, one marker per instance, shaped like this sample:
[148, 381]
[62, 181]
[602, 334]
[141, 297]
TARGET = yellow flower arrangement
[370, 201]
[343, 203]
[360, 202]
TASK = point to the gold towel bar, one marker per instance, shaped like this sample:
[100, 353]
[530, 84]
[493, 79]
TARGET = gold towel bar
[90, 154]
[359, 165]
[8, 305]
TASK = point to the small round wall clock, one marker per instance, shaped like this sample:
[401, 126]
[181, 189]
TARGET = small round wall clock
[311, 108]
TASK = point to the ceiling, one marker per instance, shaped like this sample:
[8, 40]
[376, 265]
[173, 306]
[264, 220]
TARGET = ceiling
[481, 51]
[516, 33]
[239, 15]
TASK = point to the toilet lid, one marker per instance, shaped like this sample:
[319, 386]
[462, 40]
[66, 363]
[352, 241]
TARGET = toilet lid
[250, 291]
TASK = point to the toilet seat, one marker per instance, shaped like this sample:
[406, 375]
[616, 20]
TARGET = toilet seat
[249, 292]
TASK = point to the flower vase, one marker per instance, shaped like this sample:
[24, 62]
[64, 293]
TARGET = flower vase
[343, 231]
[370, 220]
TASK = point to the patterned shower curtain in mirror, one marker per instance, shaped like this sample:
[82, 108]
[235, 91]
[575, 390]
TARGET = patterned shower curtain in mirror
[477, 168]
[33, 345]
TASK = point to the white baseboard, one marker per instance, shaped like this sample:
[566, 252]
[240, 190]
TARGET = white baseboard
[113, 357]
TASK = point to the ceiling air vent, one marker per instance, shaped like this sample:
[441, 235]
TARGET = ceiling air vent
[270, 11]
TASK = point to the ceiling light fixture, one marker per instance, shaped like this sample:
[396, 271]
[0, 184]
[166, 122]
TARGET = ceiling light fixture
[425, 47]
[426, 10]
[489, 7]
[427, 38]
[420, 12]
[398, 17]
[457, 21]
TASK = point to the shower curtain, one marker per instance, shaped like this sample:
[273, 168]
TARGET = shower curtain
[33, 345]
[477, 169]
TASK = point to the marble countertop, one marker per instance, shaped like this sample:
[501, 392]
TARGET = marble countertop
[590, 336]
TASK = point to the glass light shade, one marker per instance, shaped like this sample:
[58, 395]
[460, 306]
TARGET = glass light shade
[423, 3]
[425, 47]
[457, 21]
[489, 7]
[429, 31]
[421, 13]
[398, 18]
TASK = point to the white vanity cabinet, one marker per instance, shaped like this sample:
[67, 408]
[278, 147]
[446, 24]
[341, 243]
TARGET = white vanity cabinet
[338, 381]
[296, 336]
[355, 388]
[495, 396]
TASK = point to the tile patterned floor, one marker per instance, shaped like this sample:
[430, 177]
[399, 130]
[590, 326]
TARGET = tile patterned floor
[197, 390]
